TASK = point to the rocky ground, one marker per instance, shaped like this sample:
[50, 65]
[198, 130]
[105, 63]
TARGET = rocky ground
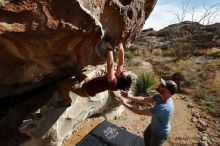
[184, 132]
[191, 126]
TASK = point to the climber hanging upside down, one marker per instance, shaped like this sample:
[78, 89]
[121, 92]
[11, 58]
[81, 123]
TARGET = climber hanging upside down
[113, 80]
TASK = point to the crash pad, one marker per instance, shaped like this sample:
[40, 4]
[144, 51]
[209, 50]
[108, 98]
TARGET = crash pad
[108, 134]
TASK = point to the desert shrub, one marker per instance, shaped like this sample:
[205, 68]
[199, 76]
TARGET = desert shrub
[214, 55]
[181, 50]
[185, 50]
[136, 49]
[170, 52]
[129, 55]
[188, 68]
[145, 84]
[157, 52]
[208, 102]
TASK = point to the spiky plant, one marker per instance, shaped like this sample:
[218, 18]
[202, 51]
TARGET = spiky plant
[145, 84]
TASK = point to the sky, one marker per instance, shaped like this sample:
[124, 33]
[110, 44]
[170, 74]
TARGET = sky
[165, 10]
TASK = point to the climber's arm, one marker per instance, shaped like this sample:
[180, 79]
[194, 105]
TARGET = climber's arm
[110, 63]
[120, 59]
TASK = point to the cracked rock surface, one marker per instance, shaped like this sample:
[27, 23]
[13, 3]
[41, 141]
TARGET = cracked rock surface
[44, 40]
[43, 43]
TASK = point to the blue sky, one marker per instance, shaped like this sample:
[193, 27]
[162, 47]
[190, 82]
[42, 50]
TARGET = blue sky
[163, 13]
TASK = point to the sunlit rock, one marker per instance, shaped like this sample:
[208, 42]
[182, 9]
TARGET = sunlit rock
[42, 41]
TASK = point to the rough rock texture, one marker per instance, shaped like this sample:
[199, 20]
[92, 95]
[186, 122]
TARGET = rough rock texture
[192, 33]
[58, 123]
[37, 119]
[44, 40]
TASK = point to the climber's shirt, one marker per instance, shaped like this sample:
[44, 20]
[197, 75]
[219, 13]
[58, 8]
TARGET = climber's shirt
[100, 84]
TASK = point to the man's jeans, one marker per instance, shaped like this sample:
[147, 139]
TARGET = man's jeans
[151, 139]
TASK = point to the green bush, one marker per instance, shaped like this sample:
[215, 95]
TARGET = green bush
[136, 49]
[185, 50]
[182, 50]
[170, 52]
[129, 55]
[145, 84]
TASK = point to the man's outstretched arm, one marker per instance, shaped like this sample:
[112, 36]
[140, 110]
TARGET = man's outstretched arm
[137, 99]
[120, 59]
[145, 112]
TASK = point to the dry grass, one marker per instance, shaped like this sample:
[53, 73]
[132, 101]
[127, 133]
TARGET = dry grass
[204, 80]
[210, 100]
[184, 51]
[129, 55]
[216, 82]
[202, 75]
[188, 68]
[157, 52]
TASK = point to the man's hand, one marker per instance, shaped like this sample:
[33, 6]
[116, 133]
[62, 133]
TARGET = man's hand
[124, 94]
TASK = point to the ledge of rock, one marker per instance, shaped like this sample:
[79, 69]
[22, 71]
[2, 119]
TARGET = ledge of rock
[43, 40]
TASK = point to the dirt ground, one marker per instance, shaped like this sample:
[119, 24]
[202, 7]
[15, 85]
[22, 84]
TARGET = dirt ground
[183, 133]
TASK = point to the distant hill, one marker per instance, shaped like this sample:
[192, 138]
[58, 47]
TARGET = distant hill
[192, 33]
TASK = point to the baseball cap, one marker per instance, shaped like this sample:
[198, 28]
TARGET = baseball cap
[170, 85]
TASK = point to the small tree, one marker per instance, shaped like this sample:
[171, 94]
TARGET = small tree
[210, 14]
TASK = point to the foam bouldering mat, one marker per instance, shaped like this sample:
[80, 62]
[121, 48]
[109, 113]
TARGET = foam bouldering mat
[108, 134]
[91, 140]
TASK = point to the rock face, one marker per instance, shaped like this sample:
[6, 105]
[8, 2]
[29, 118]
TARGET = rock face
[38, 118]
[44, 40]
[192, 33]
[60, 122]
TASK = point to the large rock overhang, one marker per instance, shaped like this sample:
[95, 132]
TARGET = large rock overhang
[44, 40]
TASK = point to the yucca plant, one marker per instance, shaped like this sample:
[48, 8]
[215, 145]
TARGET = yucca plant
[145, 84]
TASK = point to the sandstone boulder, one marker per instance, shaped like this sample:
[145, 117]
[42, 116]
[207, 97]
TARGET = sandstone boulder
[37, 118]
[44, 40]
